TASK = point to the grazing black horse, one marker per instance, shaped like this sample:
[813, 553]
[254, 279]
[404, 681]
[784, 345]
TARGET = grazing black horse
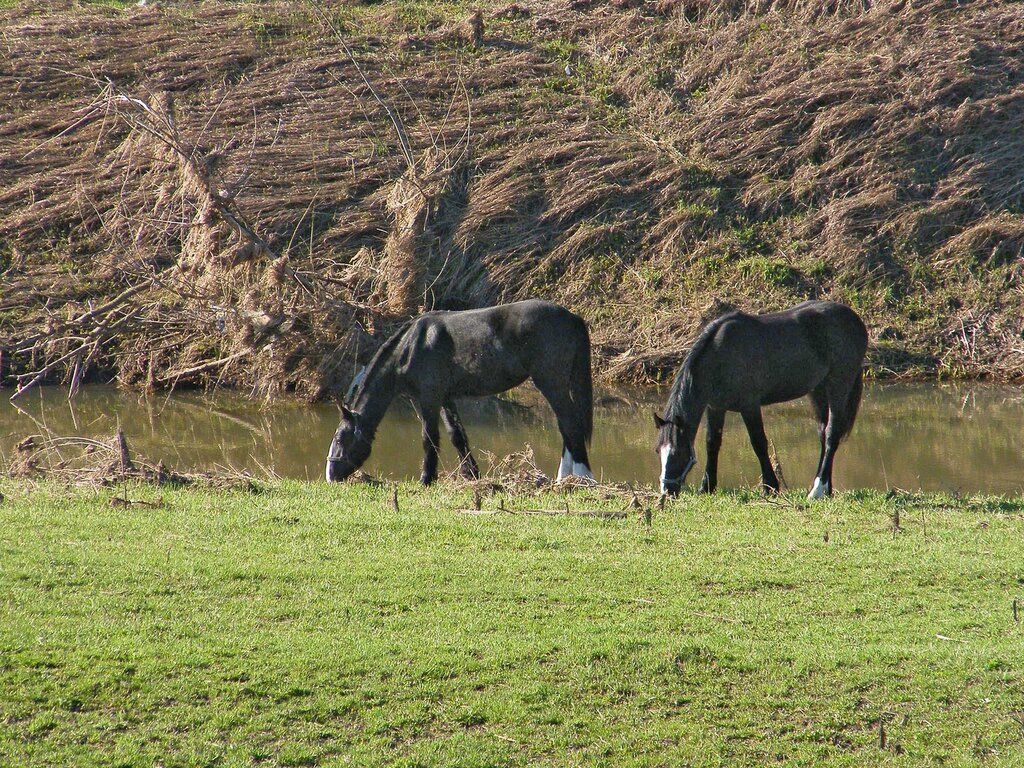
[440, 356]
[741, 362]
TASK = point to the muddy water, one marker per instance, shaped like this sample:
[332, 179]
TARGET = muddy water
[931, 437]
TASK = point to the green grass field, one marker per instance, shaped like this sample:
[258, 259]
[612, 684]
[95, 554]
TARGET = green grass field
[315, 625]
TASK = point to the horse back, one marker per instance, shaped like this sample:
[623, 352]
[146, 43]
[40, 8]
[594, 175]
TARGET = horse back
[830, 332]
[486, 351]
[763, 359]
[836, 330]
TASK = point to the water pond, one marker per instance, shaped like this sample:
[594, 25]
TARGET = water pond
[921, 436]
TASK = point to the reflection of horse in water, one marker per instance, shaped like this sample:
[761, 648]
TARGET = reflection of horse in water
[741, 362]
[441, 356]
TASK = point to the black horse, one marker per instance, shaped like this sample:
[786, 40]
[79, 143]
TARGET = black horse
[741, 362]
[440, 356]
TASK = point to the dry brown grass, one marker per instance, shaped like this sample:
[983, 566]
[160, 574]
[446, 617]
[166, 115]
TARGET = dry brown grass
[85, 461]
[645, 164]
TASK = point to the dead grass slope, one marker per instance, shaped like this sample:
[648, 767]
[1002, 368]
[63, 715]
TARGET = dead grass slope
[644, 163]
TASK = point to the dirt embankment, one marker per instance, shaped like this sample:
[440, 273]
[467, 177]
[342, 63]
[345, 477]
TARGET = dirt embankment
[253, 218]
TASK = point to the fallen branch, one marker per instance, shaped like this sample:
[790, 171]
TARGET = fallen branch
[123, 503]
[79, 353]
[599, 513]
[209, 366]
[104, 309]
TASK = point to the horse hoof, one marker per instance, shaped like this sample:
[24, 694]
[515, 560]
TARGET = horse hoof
[819, 490]
[574, 481]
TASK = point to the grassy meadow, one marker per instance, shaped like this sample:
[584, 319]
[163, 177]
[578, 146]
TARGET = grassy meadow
[312, 625]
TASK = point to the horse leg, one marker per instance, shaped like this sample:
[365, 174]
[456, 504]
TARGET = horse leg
[819, 399]
[715, 422]
[823, 482]
[838, 426]
[431, 442]
[759, 442]
[570, 425]
[467, 464]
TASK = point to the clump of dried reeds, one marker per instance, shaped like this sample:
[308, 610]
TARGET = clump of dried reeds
[412, 201]
[88, 461]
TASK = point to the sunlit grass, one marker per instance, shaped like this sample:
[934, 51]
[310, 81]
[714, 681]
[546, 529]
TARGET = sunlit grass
[315, 625]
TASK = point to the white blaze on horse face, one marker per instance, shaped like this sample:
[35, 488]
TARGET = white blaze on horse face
[819, 490]
[666, 449]
[565, 467]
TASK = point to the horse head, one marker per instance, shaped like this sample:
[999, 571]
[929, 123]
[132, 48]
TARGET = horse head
[675, 446]
[349, 448]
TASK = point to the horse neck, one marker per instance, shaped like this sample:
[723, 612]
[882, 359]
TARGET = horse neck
[688, 401]
[375, 394]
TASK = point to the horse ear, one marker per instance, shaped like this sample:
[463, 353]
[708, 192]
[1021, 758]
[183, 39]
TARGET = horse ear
[658, 421]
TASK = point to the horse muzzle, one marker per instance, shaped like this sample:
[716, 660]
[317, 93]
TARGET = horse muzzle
[671, 487]
[338, 470]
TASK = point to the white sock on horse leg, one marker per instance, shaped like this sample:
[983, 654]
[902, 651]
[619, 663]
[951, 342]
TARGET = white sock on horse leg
[565, 467]
[819, 490]
[582, 470]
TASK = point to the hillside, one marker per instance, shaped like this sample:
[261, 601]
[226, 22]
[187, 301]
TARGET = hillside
[252, 218]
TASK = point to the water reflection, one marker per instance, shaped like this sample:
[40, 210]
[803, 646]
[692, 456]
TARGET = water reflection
[932, 437]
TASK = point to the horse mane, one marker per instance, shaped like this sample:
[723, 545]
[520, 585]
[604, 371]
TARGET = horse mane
[382, 353]
[680, 401]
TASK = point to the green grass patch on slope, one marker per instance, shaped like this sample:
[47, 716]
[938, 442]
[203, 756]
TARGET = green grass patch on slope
[316, 625]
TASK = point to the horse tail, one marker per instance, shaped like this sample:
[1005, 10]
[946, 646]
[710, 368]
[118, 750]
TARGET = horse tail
[853, 403]
[581, 385]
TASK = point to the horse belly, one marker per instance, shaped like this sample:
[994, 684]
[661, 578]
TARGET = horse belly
[486, 372]
[784, 395]
[793, 386]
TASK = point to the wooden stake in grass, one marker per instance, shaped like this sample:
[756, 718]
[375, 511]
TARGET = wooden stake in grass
[1016, 616]
[882, 738]
[123, 455]
[394, 499]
